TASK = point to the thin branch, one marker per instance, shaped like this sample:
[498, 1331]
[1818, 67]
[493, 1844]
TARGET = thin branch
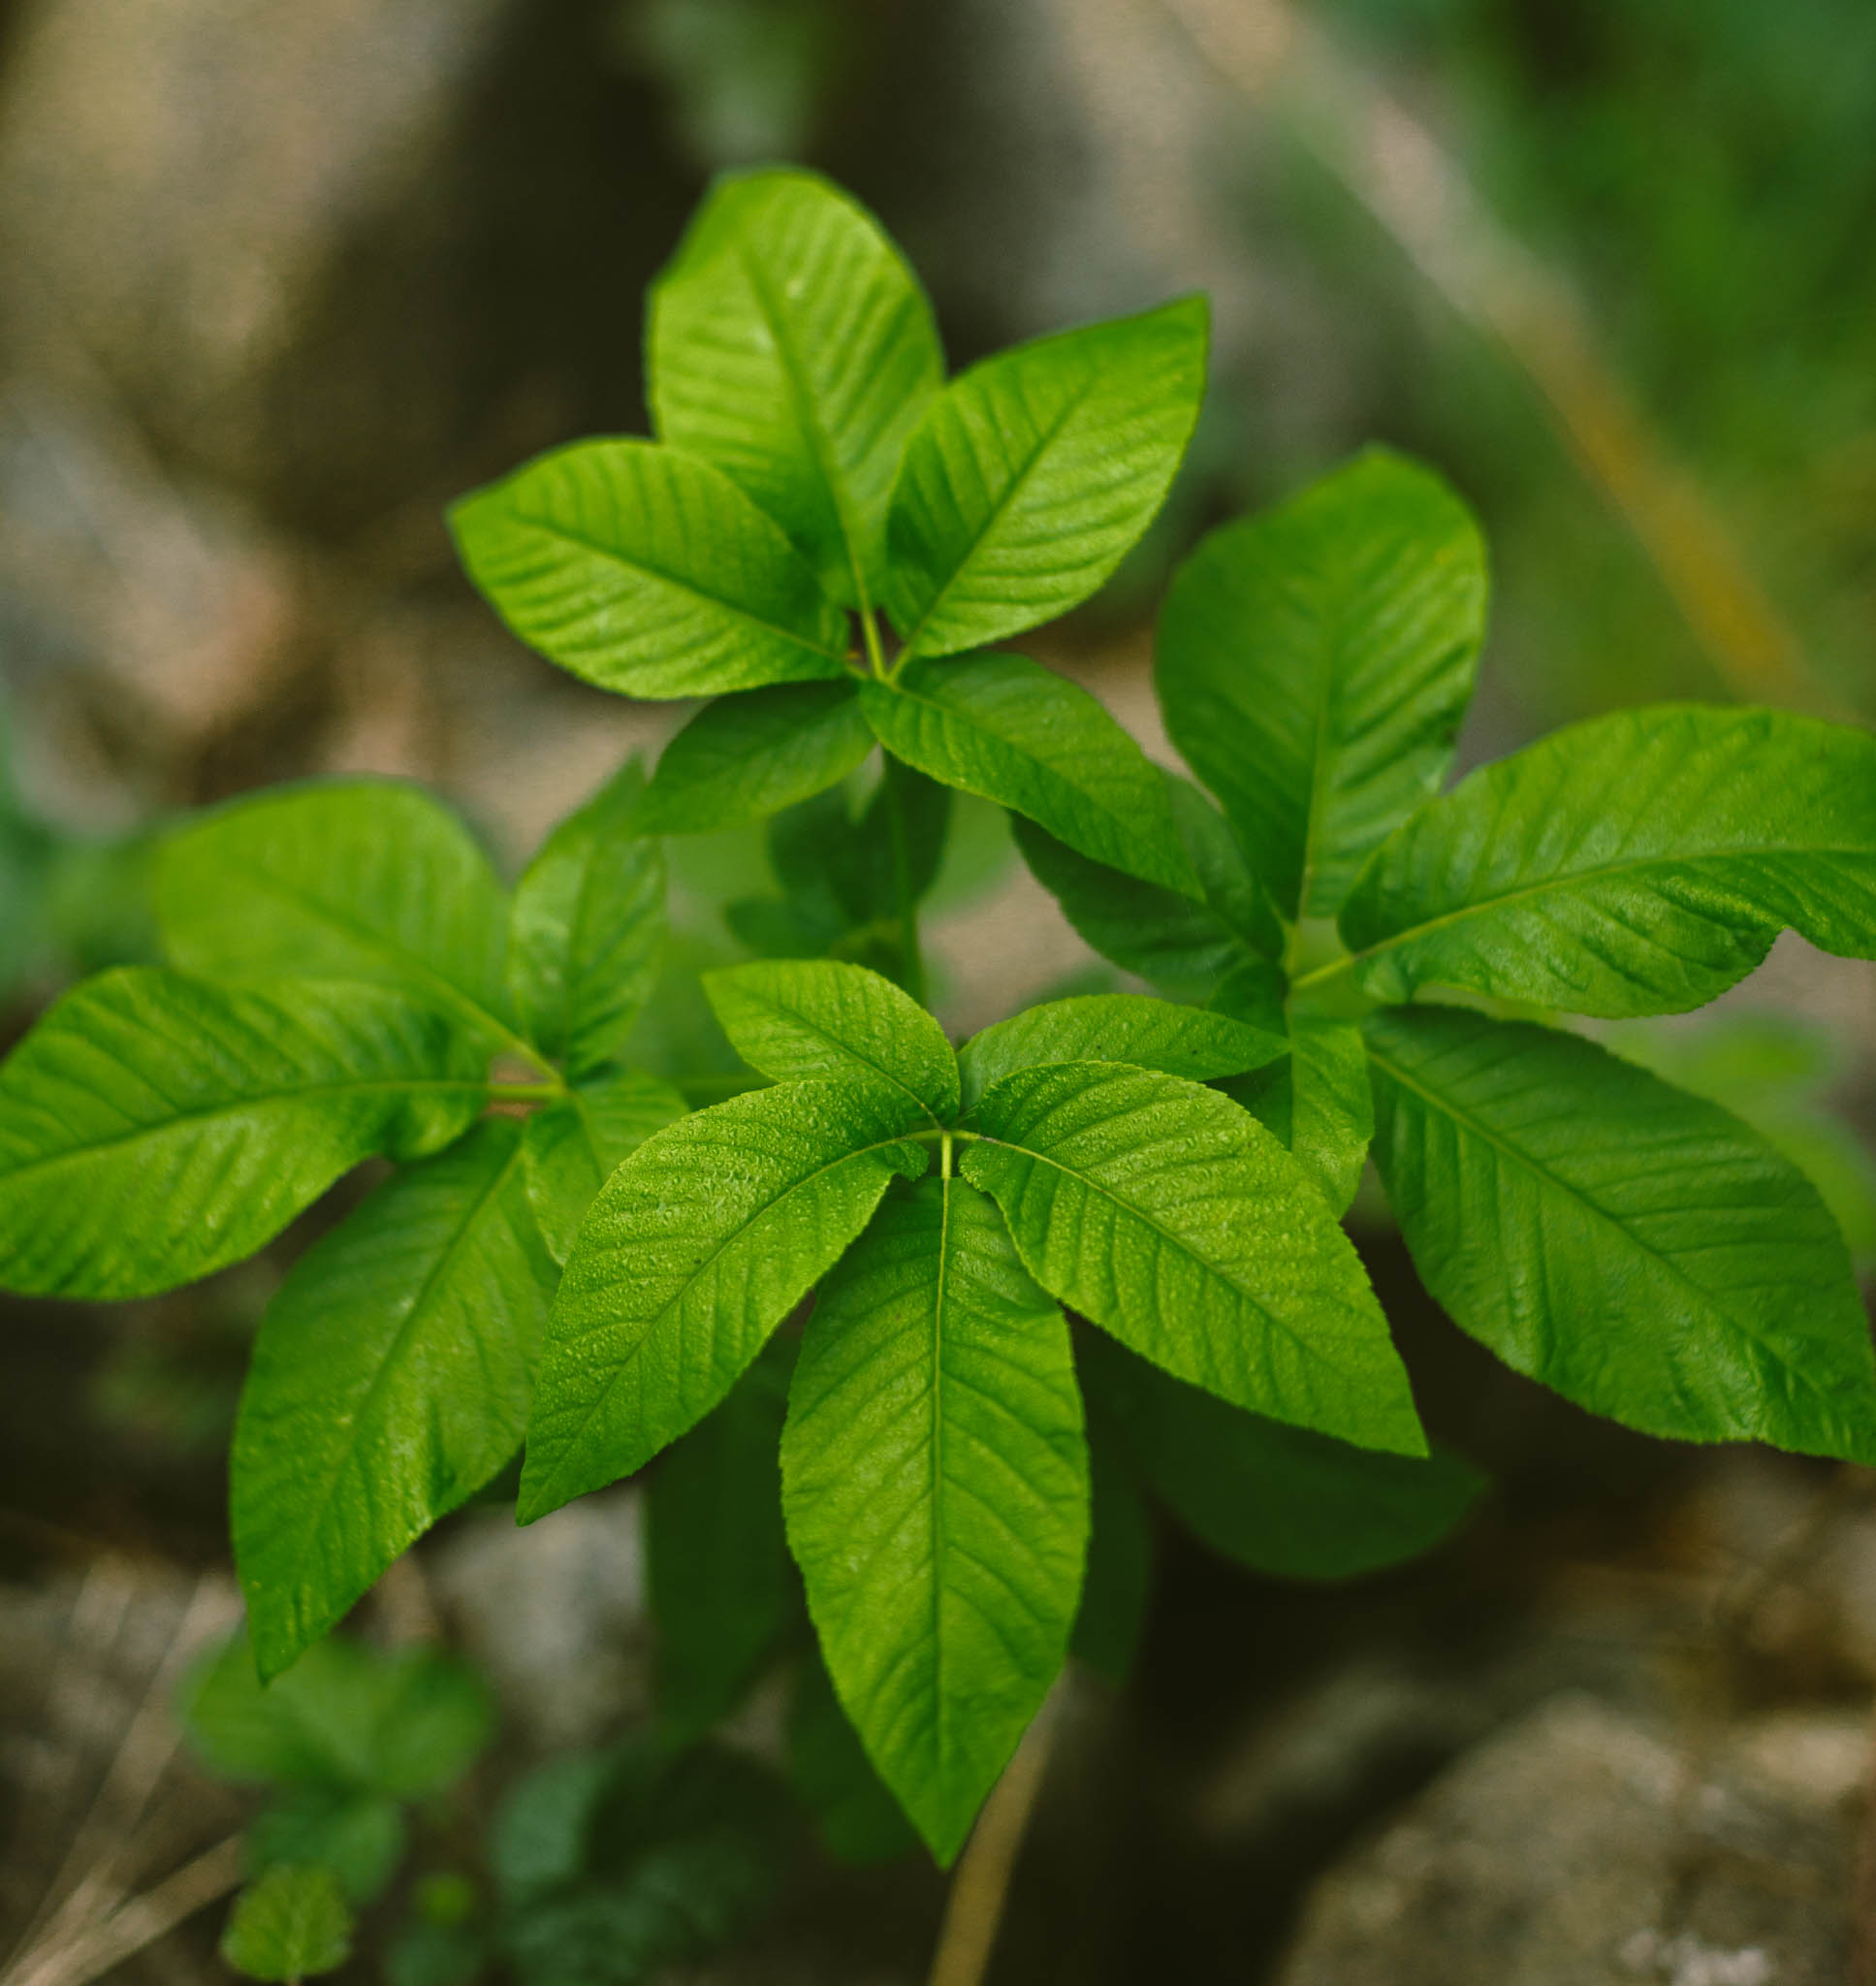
[142, 1921]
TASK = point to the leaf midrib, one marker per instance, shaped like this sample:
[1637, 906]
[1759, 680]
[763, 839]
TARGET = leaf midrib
[1538, 1170]
[438, 1269]
[796, 1017]
[1601, 872]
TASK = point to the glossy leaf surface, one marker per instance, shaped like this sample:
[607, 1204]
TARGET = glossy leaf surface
[791, 347]
[569, 1149]
[795, 1019]
[744, 757]
[1313, 663]
[347, 879]
[1116, 1027]
[936, 1485]
[647, 571]
[1034, 472]
[1174, 1219]
[1638, 1249]
[1640, 863]
[1012, 731]
[697, 1247]
[389, 1382]
[587, 929]
[154, 1128]
[1278, 1499]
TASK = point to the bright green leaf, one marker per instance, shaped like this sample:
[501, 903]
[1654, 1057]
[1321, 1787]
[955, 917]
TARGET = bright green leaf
[1638, 1249]
[1119, 1582]
[345, 879]
[791, 347]
[1278, 1499]
[389, 1382]
[1034, 472]
[1116, 1027]
[1012, 731]
[798, 1018]
[698, 1246]
[648, 571]
[587, 933]
[935, 1482]
[1640, 863]
[858, 1818]
[359, 1837]
[742, 758]
[154, 1128]
[722, 1587]
[570, 1148]
[290, 1924]
[1315, 663]
[1173, 1219]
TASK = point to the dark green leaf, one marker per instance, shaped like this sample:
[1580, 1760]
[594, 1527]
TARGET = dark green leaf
[390, 1382]
[699, 1245]
[744, 757]
[359, 1837]
[1278, 1499]
[648, 571]
[1032, 473]
[290, 1924]
[1638, 1249]
[539, 1840]
[571, 1149]
[345, 879]
[1119, 1581]
[797, 1019]
[791, 345]
[936, 1485]
[1012, 731]
[859, 1820]
[1315, 663]
[722, 1587]
[154, 1128]
[1640, 863]
[587, 933]
[1168, 1216]
[1116, 1027]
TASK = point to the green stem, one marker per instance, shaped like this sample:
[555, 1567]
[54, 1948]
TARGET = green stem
[876, 651]
[1322, 975]
[911, 962]
[526, 1092]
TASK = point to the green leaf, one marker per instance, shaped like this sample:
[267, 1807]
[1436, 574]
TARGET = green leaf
[154, 1128]
[1640, 863]
[1315, 663]
[571, 1149]
[935, 1480]
[290, 1924]
[647, 571]
[723, 1586]
[1638, 1249]
[406, 1725]
[389, 1382]
[1169, 1217]
[1163, 936]
[699, 1245]
[858, 1819]
[1012, 731]
[743, 758]
[1119, 1581]
[587, 930]
[346, 879]
[1115, 1027]
[1319, 1100]
[359, 1837]
[796, 1019]
[1034, 472]
[1277, 1499]
[791, 347]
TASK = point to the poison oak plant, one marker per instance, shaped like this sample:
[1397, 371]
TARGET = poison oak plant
[825, 539]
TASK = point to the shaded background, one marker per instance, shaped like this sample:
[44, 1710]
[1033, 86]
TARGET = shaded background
[278, 281]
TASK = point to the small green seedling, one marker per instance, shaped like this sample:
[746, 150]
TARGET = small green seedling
[827, 538]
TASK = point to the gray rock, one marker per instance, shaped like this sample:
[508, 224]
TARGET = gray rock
[1585, 1846]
